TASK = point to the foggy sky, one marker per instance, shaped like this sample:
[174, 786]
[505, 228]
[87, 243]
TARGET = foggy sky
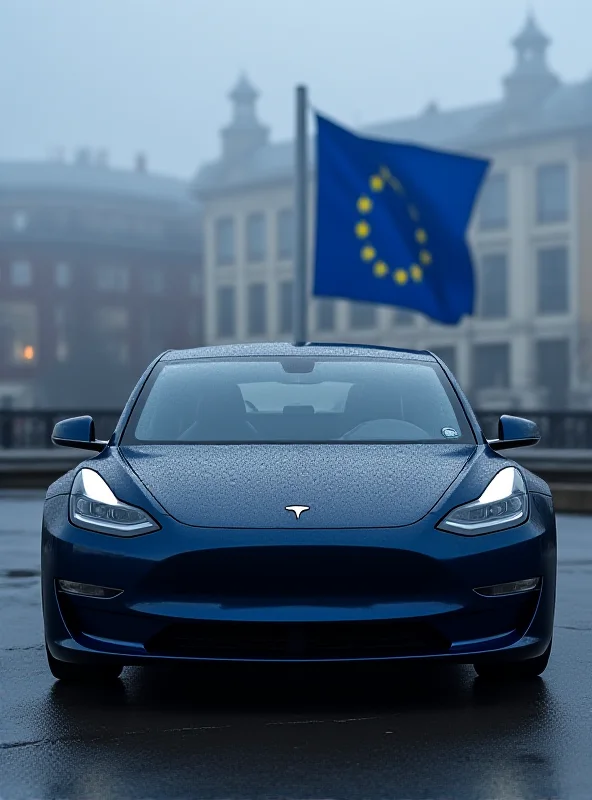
[153, 75]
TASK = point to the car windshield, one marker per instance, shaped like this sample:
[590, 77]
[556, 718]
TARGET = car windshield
[298, 399]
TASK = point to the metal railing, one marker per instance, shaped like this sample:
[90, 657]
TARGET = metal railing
[20, 430]
[30, 430]
[560, 430]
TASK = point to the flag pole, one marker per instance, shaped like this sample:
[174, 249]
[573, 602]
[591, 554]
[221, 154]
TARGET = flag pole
[301, 218]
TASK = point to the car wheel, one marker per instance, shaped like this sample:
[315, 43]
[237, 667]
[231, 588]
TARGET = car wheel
[82, 673]
[517, 670]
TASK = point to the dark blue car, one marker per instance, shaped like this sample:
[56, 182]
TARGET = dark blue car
[312, 503]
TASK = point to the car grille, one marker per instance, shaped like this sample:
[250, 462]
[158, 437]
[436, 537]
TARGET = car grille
[311, 574]
[309, 640]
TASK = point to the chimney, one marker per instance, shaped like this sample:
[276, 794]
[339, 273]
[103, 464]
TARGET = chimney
[83, 157]
[141, 163]
[245, 134]
[101, 158]
[531, 80]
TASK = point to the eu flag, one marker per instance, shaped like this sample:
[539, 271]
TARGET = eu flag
[391, 223]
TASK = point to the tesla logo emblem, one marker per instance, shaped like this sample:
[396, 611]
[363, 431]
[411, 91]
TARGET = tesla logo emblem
[298, 510]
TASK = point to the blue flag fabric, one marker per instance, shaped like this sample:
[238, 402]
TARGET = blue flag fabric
[391, 223]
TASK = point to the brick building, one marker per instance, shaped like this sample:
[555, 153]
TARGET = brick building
[99, 272]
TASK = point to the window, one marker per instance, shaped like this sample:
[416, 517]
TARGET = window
[20, 221]
[493, 289]
[403, 317]
[285, 233]
[257, 312]
[153, 279]
[448, 355]
[325, 315]
[112, 333]
[226, 311]
[195, 284]
[551, 193]
[112, 278]
[256, 238]
[362, 315]
[552, 281]
[63, 275]
[61, 320]
[297, 399]
[491, 366]
[493, 206]
[553, 372]
[154, 334]
[194, 328]
[21, 273]
[286, 307]
[18, 333]
[224, 241]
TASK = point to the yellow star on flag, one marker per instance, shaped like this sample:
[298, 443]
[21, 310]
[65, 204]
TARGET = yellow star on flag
[376, 183]
[362, 229]
[368, 253]
[364, 204]
[416, 273]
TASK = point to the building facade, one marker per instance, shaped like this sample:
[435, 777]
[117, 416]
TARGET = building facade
[529, 343]
[100, 270]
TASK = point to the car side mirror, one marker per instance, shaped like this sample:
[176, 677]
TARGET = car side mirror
[515, 432]
[77, 432]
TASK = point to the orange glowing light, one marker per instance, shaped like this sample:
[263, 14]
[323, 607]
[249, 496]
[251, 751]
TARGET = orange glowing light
[29, 352]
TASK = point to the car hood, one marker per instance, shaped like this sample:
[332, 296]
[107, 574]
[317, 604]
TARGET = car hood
[345, 486]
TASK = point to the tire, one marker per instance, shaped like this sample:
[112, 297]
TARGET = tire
[82, 673]
[514, 670]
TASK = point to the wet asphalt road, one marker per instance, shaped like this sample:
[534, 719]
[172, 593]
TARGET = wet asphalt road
[297, 733]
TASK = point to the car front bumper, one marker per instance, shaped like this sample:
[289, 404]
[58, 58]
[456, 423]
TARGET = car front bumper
[202, 594]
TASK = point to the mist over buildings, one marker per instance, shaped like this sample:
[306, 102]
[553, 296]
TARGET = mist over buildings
[153, 75]
[146, 182]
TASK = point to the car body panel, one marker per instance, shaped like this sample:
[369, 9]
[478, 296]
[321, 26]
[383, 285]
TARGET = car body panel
[345, 486]
[364, 575]
[414, 573]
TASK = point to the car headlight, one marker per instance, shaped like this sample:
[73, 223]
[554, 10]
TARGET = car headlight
[503, 504]
[94, 506]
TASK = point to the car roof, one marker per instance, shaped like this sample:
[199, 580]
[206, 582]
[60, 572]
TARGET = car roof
[336, 349]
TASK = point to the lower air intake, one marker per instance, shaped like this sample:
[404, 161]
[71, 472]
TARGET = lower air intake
[294, 641]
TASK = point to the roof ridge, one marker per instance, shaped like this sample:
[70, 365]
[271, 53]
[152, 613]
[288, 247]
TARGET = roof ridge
[91, 169]
[238, 350]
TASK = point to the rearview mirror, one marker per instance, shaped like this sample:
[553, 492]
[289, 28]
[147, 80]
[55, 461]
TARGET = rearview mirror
[515, 432]
[77, 432]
